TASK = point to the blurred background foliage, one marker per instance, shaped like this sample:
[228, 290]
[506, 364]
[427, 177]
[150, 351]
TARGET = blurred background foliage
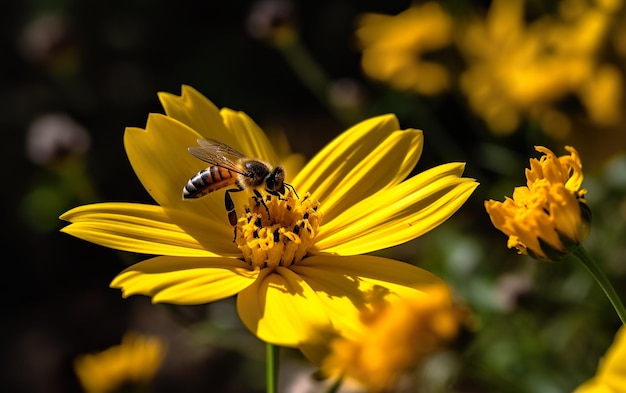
[486, 81]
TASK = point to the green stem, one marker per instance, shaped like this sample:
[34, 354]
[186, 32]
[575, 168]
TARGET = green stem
[334, 388]
[272, 367]
[76, 178]
[314, 77]
[580, 253]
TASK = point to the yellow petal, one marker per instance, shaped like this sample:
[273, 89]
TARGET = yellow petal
[280, 307]
[132, 363]
[147, 229]
[366, 270]
[387, 164]
[611, 374]
[196, 112]
[163, 164]
[325, 292]
[235, 129]
[327, 169]
[186, 281]
[398, 214]
[347, 285]
[250, 139]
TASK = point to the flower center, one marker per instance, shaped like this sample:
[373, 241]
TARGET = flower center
[277, 231]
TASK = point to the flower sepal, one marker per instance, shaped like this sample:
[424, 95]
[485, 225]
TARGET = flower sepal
[554, 254]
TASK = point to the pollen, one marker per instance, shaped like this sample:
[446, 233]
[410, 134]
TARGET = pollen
[277, 231]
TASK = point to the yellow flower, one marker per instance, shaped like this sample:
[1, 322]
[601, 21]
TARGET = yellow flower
[611, 374]
[300, 265]
[603, 95]
[393, 47]
[518, 69]
[132, 363]
[395, 336]
[549, 214]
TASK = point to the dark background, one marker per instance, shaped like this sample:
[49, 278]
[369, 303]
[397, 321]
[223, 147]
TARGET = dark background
[104, 70]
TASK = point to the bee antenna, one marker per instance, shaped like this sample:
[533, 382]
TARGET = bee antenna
[289, 186]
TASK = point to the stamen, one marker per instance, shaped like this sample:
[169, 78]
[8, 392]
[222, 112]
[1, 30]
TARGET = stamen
[270, 234]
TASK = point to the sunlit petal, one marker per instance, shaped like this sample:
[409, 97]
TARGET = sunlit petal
[399, 214]
[548, 215]
[250, 139]
[160, 159]
[611, 374]
[327, 169]
[387, 164]
[283, 306]
[196, 112]
[186, 280]
[280, 307]
[146, 229]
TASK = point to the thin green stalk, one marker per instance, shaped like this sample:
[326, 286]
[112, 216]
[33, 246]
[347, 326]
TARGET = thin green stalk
[271, 357]
[334, 388]
[76, 178]
[313, 76]
[591, 266]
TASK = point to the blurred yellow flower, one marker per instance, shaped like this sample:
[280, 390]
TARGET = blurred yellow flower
[393, 47]
[517, 69]
[396, 335]
[549, 214]
[301, 267]
[127, 367]
[611, 374]
[602, 94]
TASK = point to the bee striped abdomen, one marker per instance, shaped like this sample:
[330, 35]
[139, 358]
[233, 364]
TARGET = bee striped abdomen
[208, 180]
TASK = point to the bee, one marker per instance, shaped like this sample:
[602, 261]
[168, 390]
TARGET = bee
[228, 167]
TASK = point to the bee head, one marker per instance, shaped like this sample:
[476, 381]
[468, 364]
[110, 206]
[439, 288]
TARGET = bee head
[275, 181]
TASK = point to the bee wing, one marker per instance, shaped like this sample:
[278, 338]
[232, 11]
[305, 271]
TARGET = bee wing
[220, 148]
[217, 153]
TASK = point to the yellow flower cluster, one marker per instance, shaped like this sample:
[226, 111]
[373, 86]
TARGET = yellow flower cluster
[611, 374]
[513, 69]
[393, 47]
[549, 214]
[133, 363]
[397, 334]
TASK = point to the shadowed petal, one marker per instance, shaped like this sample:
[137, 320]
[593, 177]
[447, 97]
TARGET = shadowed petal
[337, 276]
[186, 281]
[325, 291]
[365, 280]
[347, 286]
[147, 229]
[280, 307]
[398, 214]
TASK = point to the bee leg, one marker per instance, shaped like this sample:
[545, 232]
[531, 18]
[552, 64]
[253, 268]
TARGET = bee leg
[277, 194]
[280, 194]
[230, 205]
[259, 200]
